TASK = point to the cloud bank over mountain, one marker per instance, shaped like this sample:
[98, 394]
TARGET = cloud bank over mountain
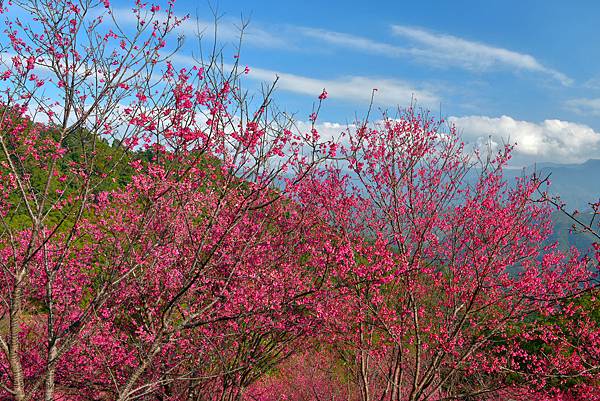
[547, 141]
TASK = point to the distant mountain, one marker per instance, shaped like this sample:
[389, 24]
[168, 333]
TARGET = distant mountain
[567, 233]
[576, 184]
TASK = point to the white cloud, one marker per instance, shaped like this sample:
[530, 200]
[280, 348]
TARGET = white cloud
[228, 29]
[592, 83]
[356, 89]
[551, 140]
[442, 48]
[584, 106]
[356, 42]
[329, 131]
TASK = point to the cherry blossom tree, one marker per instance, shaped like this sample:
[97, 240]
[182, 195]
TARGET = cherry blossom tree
[125, 286]
[452, 279]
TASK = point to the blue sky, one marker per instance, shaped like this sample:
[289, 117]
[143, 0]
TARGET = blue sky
[523, 71]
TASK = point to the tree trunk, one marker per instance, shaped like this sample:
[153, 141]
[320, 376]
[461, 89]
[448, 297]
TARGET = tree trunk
[50, 373]
[16, 367]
